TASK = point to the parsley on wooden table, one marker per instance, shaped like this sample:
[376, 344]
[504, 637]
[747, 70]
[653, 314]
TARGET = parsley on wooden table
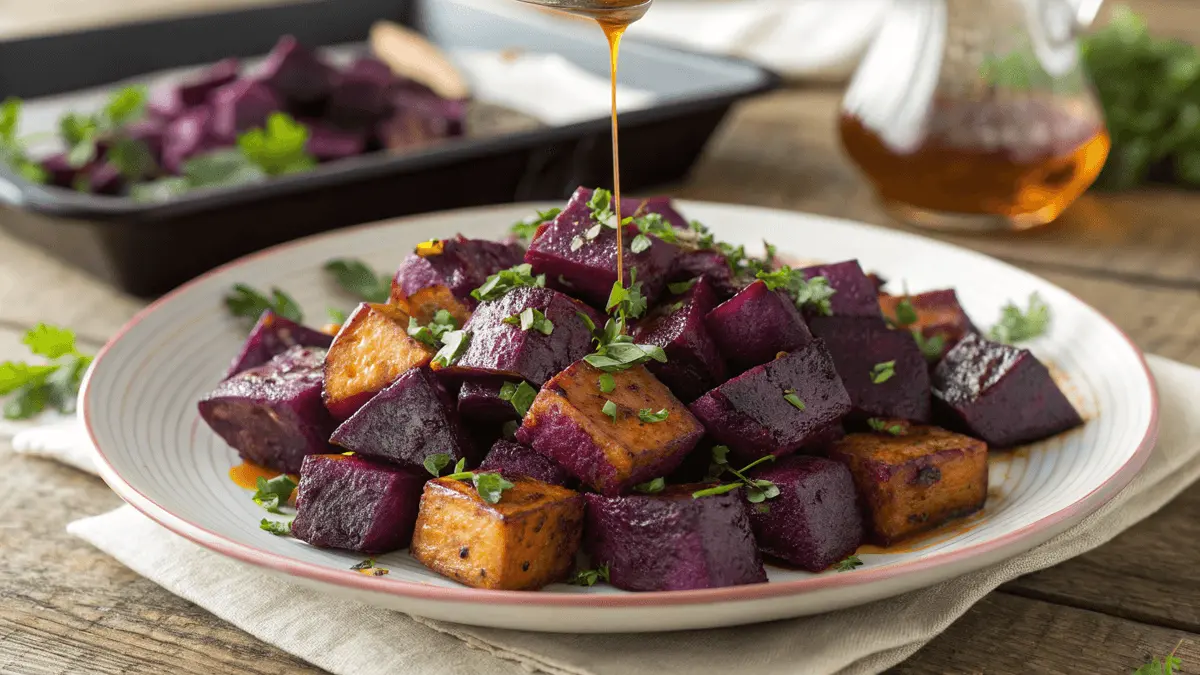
[357, 278]
[54, 382]
[1166, 666]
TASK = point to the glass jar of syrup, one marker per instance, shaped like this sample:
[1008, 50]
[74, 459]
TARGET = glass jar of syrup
[976, 115]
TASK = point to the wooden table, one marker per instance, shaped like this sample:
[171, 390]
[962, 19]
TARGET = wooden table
[66, 608]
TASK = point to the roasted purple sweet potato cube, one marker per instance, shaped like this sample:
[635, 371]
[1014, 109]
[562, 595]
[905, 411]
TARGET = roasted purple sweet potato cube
[408, 422]
[271, 336]
[356, 503]
[916, 481]
[503, 349]
[938, 314]
[514, 459]
[814, 521]
[458, 263]
[370, 351]
[563, 250]
[240, 106]
[882, 369]
[327, 143]
[187, 136]
[296, 73]
[755, 325]
[671, 541]
[273, 414]
[694, 365]
[856, 294]
[1000, 394]
[663, 206]
[711, 265]
[776, 408]
[479, 401]
[610, 447]
[362, 94]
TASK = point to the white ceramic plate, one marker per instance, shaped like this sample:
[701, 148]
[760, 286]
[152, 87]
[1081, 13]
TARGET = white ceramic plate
[139, 404]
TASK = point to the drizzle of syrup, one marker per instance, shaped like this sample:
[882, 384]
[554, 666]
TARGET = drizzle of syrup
[613, 30]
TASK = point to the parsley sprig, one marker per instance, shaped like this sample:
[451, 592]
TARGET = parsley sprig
[525, 229]
[1017, 325]
[519, 395]
[357, 278]
[279, 528]
[273, 493]
[906, 315]
[246, 302]
[454, 345]
[616, 351]
[757, 490]
[432, 333]
[500, 283]
[590, 577]
[82, 133]
[490, 485]
[850, 563]
[55, 383]
[12, 148]
[814, 293]
[885, 426]
[531, 318]
[651, 487]
[1166, 666]
[628, 301]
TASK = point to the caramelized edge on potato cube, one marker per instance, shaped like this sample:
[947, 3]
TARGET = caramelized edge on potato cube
[370, 351]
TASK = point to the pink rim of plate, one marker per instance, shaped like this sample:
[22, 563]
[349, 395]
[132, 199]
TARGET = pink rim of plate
[248, 554]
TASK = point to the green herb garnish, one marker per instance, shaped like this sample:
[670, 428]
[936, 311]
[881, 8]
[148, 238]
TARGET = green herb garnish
[882, 426]
[757, 490]
[519, 395]
[651, 487]
[1017, 326]
[648, 415]
[490, 485]
[279, 528]
[848, 564]
[12, 148]
[628, 301]
[370, 568]
[335, 315]
[454, 345]
[589, 577]
[432, 333]
[245, 302]
[616, 351]
[1166, 666]
[931, 347]
[716, 490]
[55, 383]
[607, 383]
[360, 280]
[789, 395]
[525, 229]
[531, 318]
[906, 314]
[682, 286]
[814, 293]
[610, 409]
[500, 283]
[435, 463]
[274, 492]
[882, 372]
[279, 147]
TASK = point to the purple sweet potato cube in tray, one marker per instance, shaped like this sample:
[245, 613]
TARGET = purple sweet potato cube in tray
[272, 336]
[777, 407]
[755, 325]
[409, 421]
[514, 459]
[694, 365]
[273, 414]
[240, 106]
[588, 266]
[356, 503]
[814, 521]
[1000, 394]
[296, 73]
[882, 369]
[671, 541]
[856, 294]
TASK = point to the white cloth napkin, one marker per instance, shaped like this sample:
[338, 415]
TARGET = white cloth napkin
[347, 638]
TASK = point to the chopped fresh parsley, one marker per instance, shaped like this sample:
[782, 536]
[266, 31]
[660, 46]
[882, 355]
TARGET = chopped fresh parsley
[454, 345]
[882, 372]
[616, 351]
[519, 395]
[627, 300]
[279, 528]
[1166, 666]
[490, 485]
[248, 303]
[602, 211]
[883, 426]
[531, 318]
[432, 333]
[360, 280]
[648, 415]
[789, 395]
[606, 382]
[682, 287]
[1016, 325]
[931, 347]
[435, 463]
[525, 229]
[610, 409]
[651, 487]
[589, 577]
[273, 493]
[716, 490]
[848, 564]
[906, 314]
[55, 383]
[814, 293]
[757, 490]
[500, 283]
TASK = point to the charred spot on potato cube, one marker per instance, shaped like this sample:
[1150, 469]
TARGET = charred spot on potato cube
[855, 292]
[814, 521]
[412, 419]
[582, 252]
[515, 460]
[526, 540]
[882, 369]
[356, 503]
[671, 541]
[461, 265]
[501, 348]
[601, 437]
[1001, 394]
[694, 365]
[370, 351]
[753, 413]
[916, 482]
[273, 414]
[755, 325]
[272, 336]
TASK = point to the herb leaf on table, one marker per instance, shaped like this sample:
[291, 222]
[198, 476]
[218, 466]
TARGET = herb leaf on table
[34, 387]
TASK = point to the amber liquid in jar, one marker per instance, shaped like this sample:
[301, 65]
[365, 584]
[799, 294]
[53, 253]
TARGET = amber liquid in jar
[1025, 160]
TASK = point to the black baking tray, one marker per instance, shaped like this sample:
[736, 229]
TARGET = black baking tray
[147, 249]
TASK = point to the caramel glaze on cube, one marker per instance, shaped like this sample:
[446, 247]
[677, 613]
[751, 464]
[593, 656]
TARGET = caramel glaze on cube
[917, 481]
[371, 350]
[567, 424]
[526, 540]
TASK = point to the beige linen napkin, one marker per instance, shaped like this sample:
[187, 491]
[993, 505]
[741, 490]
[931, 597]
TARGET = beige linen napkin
[349, 638]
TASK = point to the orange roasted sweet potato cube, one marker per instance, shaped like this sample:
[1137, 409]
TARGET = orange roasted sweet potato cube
[370, 351]
[916, 481]
[425, 302]
[524, 541]
[615, 440]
